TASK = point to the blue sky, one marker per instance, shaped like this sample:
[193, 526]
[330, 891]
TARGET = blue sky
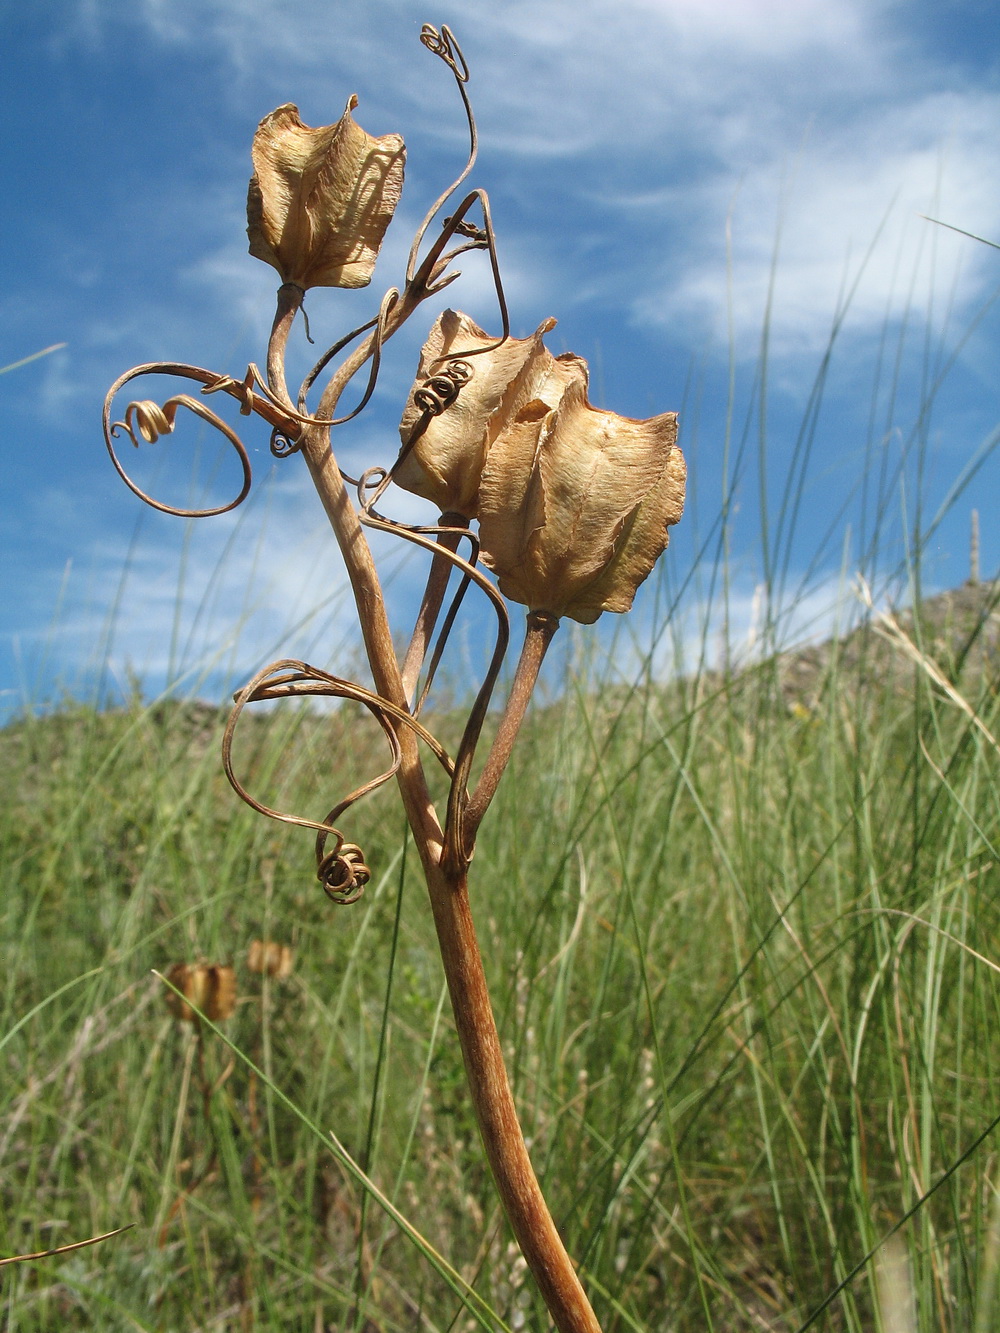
[668, 178]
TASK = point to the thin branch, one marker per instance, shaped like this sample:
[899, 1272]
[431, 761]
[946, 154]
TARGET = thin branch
[438, 579]
[445, 46]
[65, 1249]
[541, 627]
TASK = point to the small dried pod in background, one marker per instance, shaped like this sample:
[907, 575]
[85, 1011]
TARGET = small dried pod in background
[270, 958]
[457, 425]
[575, 502]
[320, 200]
[209, 987]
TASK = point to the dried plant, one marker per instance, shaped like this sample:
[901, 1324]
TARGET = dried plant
[572, 506]
[196, 991]
[270, 958]
[201, 988]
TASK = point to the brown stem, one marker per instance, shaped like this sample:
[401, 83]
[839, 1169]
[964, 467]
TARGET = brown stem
[447, 887]
[496, 1115]
[515, 1179]
[289, 303]
[315, 446]
[517, 1185]
[541, 626]
[430, 606]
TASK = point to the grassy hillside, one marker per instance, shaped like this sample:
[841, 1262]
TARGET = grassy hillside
[743, 938]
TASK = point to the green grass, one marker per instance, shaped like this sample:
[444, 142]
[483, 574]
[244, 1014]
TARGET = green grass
[742, 942]
[741, 931]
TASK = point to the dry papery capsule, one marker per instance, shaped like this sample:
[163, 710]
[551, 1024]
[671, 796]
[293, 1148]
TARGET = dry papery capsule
[270, 957]
[446, 462]
[210, 987]
[573, 502]
[321, 198]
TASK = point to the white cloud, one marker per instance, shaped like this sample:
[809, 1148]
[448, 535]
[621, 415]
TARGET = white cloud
[561, 78]
[772, 28]
[842, 224]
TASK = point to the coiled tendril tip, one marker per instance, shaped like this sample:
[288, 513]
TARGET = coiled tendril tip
[342, 871]
[151, 421]
[443, 44]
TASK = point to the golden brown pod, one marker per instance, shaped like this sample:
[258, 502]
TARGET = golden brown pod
[320, 199]
[208, 987]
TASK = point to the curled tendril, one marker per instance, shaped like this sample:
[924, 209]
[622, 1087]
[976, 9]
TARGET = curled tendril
[328, 356]
[437, 260]
[439, 391]
[245, 390]
[281, 445]
[341, 869]
[253, 387]
[443, 44]
[152, 421]
[389, 300]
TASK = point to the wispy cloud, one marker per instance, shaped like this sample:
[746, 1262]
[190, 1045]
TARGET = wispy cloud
[200, 606]
[816, 120]
[838, 227]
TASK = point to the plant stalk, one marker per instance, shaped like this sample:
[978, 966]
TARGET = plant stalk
[430, 607]
[525, 1205]
[541, 626]
[513, 1174]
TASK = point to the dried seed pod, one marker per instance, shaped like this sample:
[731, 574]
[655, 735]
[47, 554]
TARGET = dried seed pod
[209, 987]
[456, 425]
[321, 199]
[270, 957]
[574, 502]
